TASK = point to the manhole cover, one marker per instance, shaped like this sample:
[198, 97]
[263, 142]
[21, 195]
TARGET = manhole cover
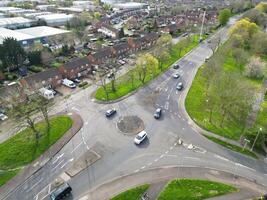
[130, 125]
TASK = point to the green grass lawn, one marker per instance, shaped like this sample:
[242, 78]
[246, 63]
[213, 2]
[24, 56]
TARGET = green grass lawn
[132, 194]
[193, 189]
[196, 104]
[124, 84]
[232, 147]
[21, 149]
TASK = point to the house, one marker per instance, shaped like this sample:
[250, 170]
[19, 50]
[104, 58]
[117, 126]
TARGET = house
[101, 56]
[77, 67]
[51, 77]
[109, 31]
[121, 50]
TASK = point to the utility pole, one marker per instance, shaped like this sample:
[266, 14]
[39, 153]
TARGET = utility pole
[201, 30]
[256, 139]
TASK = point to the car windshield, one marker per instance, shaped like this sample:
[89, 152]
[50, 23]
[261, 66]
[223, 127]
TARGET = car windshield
[139, 137]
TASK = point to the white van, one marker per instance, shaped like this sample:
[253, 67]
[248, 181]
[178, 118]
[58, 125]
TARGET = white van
[48, 94]
[68, 83]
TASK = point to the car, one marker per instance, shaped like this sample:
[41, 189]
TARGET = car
[140, 137]
[179, 86]
[77, 80]
[176, 66]
[68, 83]
[176, 75]
[110, 112]
[157, 113]
[3, 117]
[207, 59]
[62, 192]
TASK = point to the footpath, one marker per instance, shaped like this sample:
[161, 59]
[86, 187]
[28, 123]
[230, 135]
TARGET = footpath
[36, 165]
[158, 177]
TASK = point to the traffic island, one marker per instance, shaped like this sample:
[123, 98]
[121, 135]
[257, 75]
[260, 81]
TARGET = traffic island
[130, 125]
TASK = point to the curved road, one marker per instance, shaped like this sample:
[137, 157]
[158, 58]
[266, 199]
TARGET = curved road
[119, 156]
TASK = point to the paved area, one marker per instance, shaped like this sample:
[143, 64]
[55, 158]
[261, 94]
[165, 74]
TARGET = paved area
[159, 176]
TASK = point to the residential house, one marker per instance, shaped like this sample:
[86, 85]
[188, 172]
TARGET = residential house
[77, 67]
[101, 56]
[109, 31]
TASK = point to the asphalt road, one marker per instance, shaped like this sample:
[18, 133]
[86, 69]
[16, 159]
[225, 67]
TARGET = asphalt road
[119, 155]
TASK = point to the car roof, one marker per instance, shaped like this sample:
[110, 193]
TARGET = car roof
[158, 109]
[142, 133]
[180, 83]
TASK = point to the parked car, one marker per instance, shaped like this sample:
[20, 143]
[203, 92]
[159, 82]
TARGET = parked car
[3, 117]
[176, 66]
[76, 80]
[157, 113]
[176, 75]
[110, 112]
[68, 83]
[62, 192]
[179, 86]
[140, 137]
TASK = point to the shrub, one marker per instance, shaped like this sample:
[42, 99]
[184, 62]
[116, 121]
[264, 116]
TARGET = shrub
[83, 84]
[35, 69]
[255, 68]
[10, 76]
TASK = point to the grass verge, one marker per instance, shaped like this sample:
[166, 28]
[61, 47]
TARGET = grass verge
[124, 84]
[132, 194]
[22, 149]
[194, 189]
[232, 147]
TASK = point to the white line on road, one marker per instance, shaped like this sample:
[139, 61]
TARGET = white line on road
[58, 157]
[168, 97]
[222, 158]
[136, 170]
[166, 152]
[70, 160]
[156, 160]
[166, 89]
[161, 156]
[76, 147]
[57, 165]
[193, 158]
[34, 185]
[179, 116]
[166, 105]
[171, 148]
[175, 143]
[143, 167]
[238, 164]
[76, 109]
[176, 92]
[149, 164]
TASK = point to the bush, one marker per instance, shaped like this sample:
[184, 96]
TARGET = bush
[255, 68]
[35, 69]
[10, 76]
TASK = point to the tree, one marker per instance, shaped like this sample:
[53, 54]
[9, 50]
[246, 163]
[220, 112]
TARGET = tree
[162, 57]
[215, 42]
[257, 17]
[255, 68]
[131, 75]
[262, 7]
[11, 54]
[237, 41]
[35, 57]
[182, 44]
[240, 56]
[164, 41]
[259, 43]
[243, 27]
[146, 64]
[224, 16]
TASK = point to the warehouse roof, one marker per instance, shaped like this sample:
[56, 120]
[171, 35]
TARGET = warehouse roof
[13, 20]
[6, 33]
[41, 31]
[55, 16]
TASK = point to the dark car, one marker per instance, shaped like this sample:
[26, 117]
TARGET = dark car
[62, 192]
[157, 114]
[176, 66]
[110, 112]
[179, 86]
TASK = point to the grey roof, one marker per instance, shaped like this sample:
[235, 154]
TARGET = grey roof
[77, 62]
[42, 76]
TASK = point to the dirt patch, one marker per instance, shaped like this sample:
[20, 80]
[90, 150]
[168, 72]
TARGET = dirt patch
[130, 125]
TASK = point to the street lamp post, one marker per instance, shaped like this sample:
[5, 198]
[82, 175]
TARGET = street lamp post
[256, 139]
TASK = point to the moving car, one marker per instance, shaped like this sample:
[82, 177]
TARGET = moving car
[3, 117]
[157, 113]
[179, 86]
[110, 112]
[62, 192]
[176, 75]
[140, 137]
[176, 66]
[68, 83]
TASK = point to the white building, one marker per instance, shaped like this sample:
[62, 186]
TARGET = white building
[45, 7]
[130, 6]
[15, 22]
[55, 19]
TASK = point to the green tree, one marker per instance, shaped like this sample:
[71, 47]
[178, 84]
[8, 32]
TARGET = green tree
[163, 57]
[35, 57]
[12, 54]
[224, 16]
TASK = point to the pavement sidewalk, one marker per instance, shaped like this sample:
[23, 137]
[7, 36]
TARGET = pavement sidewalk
[158, 176]
[36, 165]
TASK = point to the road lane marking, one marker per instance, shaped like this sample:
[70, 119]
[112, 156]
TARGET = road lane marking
[221, 157]
[136, 171]
[166, 152]
[171, 147]
[34, 185]
[161, 156]
[75, 109]
[70, 160]
[76, 147]
[149, 164]
[168, 96]
[193, 158]
[166, 105]
[57, 165]
[166, 89]
[143, 167]
[156, 160]
[57, 158]
[239, 164]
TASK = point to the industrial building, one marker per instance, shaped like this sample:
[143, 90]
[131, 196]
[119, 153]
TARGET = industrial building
[15, 22]
[29, 36]
[55, 19]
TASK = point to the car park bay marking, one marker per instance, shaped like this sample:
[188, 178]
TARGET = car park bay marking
[57, 165]
[57, 158]
[70, 160]
[34, 185]
[76, 147]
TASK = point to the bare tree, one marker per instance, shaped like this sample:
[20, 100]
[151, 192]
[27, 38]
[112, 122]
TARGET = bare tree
[255, 68]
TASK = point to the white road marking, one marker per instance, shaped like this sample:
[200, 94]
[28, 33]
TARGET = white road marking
[166, 105]
[175, 143]
[57, 165]
[34, 185]
[222, 158]
[179, 116]
[166, 152]
[87, 147]
[161, 156]
[136, 171]
[86, 123]
[77, 147]
[76, 109]
[149, 164]
[156, 160]
[183, 128]
[238, 164]
[143, 167]
[58, 157]
[171, 147]
[176, 92]
[193, 158]
[166, 89]
[70, 160]
[168, 97]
